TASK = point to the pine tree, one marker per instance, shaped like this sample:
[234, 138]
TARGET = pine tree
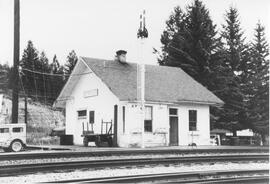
[57, 82]
[235, 59]
[5, 72]
[30, 62]
[173, 25]
[71, 62]
[54, 66]
[44, 62]
[258, 76]
[43, 78]
[190, 42]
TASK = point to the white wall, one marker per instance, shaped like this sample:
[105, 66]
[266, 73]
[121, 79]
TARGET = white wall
[132, 136]
[103, 105]
[202, 135]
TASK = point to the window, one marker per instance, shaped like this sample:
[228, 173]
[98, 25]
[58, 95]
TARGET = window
[173, 112]
[192, 120]
[82, 114]
[124, 119]
[148, 119]
[91, 116]
[4, 130]
[17, 129]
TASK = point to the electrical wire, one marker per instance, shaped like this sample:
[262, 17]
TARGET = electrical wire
[52, 74]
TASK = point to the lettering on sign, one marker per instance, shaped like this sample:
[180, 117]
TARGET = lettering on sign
[90, 93]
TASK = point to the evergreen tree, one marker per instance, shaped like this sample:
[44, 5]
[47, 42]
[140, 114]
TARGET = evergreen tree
[232, 35]
[5, 72]
[29, 57]
[29, 63]
[44, 62]
[258, 77]
[57, 81]
[43, 79]
[234, 116]
[71, 62]
[190, 42]
[173, 25]
[54, 66]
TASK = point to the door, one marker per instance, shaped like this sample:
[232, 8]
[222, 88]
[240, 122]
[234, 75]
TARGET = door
[173, 127]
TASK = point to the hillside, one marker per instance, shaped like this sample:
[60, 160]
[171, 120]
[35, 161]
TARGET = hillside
[41, 119]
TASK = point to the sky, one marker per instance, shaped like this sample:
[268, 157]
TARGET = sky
[98, 28]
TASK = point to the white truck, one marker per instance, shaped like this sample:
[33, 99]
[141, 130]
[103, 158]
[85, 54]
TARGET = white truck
[13, 137]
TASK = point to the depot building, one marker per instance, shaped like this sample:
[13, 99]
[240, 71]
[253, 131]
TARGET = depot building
[176, 106]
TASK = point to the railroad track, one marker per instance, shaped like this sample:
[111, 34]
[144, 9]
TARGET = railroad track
[68, 154]
[216, 176]
[11, 170]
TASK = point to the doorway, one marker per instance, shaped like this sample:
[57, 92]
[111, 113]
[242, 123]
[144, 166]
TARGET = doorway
[173, 120]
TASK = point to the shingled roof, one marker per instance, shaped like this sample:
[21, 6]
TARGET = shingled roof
[162, 83]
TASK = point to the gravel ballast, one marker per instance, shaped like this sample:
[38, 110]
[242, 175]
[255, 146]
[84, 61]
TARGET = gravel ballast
[69, 159]
[80, 174]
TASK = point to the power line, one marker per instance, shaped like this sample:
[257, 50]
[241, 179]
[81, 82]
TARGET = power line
[52, 74]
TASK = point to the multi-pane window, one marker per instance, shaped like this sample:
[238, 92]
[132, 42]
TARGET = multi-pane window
[82, 114]
[4, 130]
[173, 112]
[17, 129]
[148, 119]
[91, 116]
[192, 120]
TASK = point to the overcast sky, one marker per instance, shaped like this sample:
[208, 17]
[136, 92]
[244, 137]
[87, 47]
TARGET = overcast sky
[97, 28]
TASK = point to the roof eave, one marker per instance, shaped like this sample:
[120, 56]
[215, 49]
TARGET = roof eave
[177, 102]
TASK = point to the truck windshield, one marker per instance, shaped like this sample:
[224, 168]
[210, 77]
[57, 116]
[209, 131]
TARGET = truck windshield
[4, 130]
[17, 129]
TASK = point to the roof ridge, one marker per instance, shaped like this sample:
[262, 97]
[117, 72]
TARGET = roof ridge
[92, 58]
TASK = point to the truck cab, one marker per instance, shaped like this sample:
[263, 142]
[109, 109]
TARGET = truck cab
[13, 137]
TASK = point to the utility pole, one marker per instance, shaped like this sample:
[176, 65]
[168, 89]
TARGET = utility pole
[142, 34]
[25, 109]
[16, 56]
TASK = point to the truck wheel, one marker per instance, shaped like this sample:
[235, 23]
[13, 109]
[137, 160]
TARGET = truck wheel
[85, 141]
[16, 146]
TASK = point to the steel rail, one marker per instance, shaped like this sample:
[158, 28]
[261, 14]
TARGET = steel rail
[11, 170]
[245, 180]
[216, 176]
[68, 154]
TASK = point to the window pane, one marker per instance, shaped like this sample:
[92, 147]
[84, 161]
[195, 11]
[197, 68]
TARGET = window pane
[173, 111]
[17, 129]
[82, 113]
[192, 115]
[4, 130]
[192, 126]
[148, 125]
[192, 120]
[92, 116]
[148, 113]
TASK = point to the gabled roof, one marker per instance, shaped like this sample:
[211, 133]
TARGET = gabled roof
[162, 83]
